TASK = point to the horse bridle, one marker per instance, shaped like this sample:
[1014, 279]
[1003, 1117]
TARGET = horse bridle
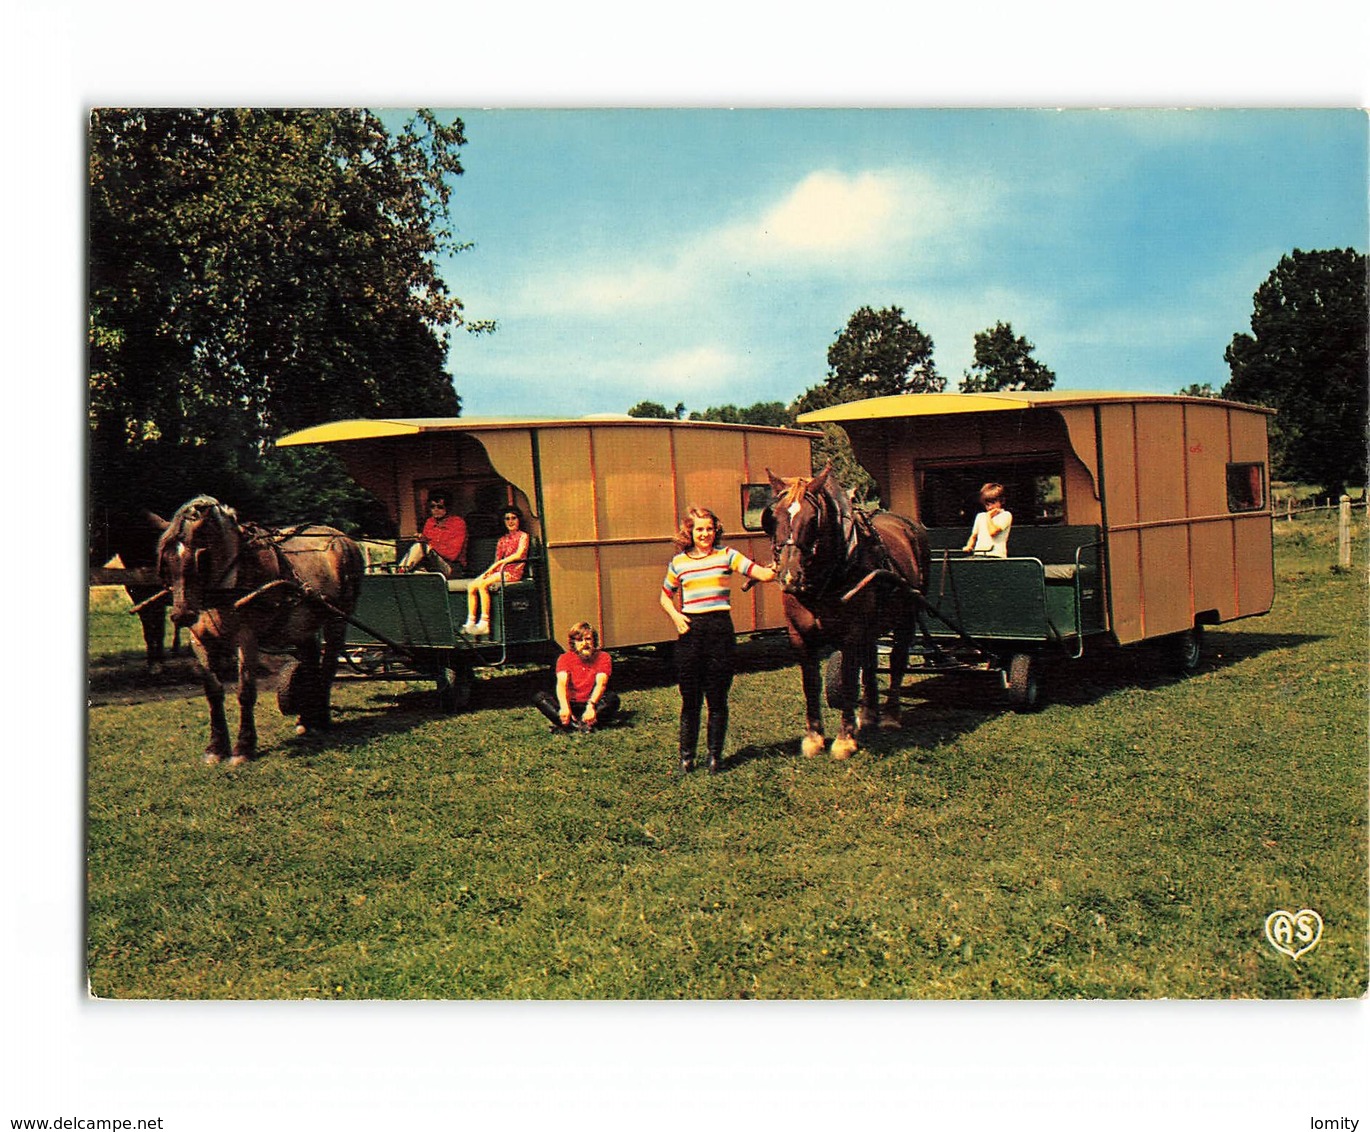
[839, 565]
[248, 535]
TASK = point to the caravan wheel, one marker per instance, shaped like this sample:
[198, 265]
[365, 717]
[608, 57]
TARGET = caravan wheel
[1021, 682]
[1184, 650]
[456, 684]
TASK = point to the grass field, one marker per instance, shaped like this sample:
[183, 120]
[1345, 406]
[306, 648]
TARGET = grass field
[1126, 841]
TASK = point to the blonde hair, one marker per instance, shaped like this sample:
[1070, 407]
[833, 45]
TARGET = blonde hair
[685, 537]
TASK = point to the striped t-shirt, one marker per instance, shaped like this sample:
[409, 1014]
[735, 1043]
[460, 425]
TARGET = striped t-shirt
[703, 582]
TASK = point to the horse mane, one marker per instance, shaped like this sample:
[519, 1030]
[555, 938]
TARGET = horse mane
[795, 487]
[192, 512]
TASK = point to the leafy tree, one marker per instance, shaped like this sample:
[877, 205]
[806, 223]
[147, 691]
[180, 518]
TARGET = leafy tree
[881, 353]
[1198, 390]
[254, 272]
[655, 410]
[878, 353]
[1004, 362]
[1306, 356]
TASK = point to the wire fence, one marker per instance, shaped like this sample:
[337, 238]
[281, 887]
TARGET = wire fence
[1286, 507]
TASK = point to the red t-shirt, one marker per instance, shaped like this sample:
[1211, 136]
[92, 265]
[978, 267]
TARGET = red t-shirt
[447, 537]
[580, 677]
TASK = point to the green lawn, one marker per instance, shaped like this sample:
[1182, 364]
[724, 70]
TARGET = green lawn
[1126, 841]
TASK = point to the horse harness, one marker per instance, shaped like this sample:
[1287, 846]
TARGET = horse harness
[251, 537]
[860, 540]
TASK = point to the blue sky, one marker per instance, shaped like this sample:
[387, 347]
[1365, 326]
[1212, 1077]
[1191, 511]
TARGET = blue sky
[711, 256]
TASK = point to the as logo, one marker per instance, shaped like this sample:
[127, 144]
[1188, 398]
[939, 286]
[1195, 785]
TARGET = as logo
[1293, 933]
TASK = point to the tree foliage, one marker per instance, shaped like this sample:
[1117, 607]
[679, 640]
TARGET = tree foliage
[879, 354]
[1198, 389]
[1004, 362]
[1306, 356]
[775, 414]
[655, 410]
[254, 272]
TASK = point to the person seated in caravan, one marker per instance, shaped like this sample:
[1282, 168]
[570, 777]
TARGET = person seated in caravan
[442, 544]
[582, 698]
[989, 535]
[511, 560]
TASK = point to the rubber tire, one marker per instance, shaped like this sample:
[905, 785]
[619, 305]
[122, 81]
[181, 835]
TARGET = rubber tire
[1184, 651]
[456, 695]
[832, 680]
[1022, 683]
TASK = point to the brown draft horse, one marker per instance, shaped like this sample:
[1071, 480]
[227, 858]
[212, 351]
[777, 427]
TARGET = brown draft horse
[847, 578]
[240, 587]
[133, 537]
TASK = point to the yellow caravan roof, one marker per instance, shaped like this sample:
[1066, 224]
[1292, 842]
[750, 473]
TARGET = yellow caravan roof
[372, 429]
[944, 404]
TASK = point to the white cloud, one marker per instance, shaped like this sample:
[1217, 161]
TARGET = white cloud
[602, 293]
[704, 366]
[834, 221]
[829, 223]
[828, 212]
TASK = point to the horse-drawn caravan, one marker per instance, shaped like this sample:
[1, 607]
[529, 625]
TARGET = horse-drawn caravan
[601, 499]
[1135, 517]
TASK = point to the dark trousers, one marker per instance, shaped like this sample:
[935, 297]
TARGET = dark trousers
[605, 710]
[704, 667]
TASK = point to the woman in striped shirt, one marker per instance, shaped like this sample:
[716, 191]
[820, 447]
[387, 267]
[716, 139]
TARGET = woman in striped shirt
[704, 622]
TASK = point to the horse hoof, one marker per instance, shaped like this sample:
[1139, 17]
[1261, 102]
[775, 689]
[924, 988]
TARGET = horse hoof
[212, 758]
[890, 722]
[237, 760]
[843, 748]
[813, 745]
[301, 729]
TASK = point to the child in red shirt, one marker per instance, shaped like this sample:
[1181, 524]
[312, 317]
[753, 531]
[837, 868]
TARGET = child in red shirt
[582, 698]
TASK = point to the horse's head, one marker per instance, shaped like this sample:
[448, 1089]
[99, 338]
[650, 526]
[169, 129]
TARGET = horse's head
[805, 534]
[198, 555]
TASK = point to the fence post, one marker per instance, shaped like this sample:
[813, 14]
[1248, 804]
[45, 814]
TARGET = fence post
[1344, 533]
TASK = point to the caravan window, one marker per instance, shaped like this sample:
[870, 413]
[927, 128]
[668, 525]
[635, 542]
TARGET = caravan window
[756, 499]
[1245, 487]
[1034, 490]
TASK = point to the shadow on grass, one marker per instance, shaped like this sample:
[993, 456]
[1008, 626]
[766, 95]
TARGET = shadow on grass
[937, 708]
[755, 752]
[1107, 669]
[936, 703]
[124, 678]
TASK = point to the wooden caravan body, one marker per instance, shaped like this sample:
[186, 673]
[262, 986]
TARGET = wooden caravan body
[602, 499]
[1173, 491]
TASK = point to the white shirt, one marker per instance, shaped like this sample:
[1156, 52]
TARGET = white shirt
[990, 536]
